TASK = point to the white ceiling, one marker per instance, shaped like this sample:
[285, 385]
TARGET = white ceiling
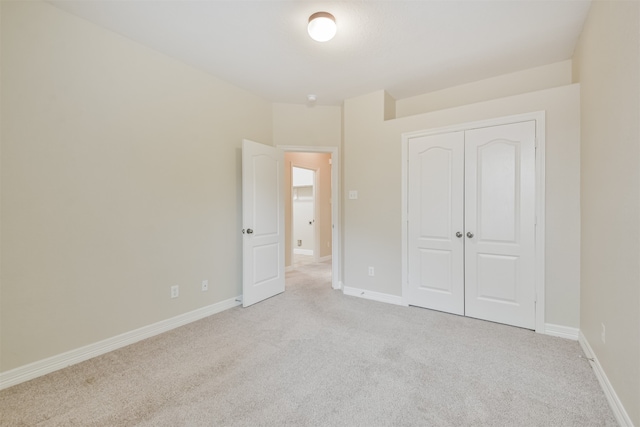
[405, 47]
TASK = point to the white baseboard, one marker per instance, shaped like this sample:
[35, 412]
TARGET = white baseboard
[60, 361]
[376, 296]
[324, 258]
[561, 331]
[339, 286]
[303, 251]
[616, 405]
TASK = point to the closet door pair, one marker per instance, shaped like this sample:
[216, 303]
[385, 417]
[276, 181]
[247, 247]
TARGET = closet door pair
[471, 223]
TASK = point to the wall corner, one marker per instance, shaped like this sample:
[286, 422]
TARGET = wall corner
[389, 107]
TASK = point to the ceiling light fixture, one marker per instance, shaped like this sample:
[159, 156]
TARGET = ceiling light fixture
[322, 26]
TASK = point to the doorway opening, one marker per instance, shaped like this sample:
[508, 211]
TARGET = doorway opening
[311, 209]
[303, 214]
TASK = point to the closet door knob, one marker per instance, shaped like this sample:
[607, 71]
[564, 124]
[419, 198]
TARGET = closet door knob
[469, 234]
[249, 231]
[458, 234]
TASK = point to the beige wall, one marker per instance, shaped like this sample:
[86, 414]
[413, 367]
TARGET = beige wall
[372, 166]
[120, 177]
[607, 65]
[533, 79]
[320, 163]
[298, 124]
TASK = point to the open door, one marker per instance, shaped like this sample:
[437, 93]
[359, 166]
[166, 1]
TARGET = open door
[262, 221]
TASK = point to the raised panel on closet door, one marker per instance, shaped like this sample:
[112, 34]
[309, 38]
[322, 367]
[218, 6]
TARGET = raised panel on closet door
[500, 224]
[435, 214]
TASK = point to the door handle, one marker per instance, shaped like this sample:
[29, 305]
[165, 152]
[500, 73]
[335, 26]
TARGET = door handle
[249, 231]
[458, 234]
[469, 234]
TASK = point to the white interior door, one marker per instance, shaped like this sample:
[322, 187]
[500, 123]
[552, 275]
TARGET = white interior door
[500, 224]
[263, 222]
[435, 222]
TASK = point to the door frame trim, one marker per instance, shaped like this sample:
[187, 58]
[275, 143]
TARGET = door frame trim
[539, 118]
[336, 282]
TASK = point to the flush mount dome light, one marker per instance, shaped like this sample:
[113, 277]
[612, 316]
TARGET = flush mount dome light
[322, 26]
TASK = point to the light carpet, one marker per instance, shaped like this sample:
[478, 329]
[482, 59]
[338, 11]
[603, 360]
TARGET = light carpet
[314, 357]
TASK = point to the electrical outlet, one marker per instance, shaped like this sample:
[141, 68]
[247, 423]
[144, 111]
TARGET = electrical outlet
[603, 335]
[205, 285]
[371, 271]
[175, 291]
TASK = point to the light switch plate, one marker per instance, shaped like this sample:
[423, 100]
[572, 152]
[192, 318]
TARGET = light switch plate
[353, 194]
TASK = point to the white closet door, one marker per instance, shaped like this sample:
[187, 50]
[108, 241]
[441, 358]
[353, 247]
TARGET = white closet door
[435, 215]
[500, 224]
